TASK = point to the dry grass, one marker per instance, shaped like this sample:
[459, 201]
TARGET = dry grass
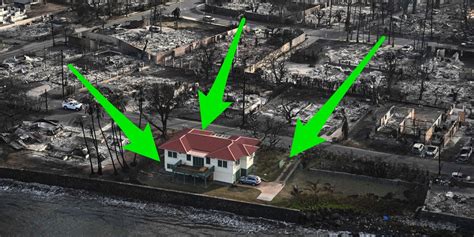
[266, 164]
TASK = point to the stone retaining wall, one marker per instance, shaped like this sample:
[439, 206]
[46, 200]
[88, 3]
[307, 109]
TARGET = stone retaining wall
[153, 194]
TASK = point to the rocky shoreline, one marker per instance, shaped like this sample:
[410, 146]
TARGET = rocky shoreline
[337, 220]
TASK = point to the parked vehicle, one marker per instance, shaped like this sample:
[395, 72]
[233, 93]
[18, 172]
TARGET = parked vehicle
[72, 104]
[250, 179]
[432, 152]
[457, 175]
[418, 149]
[406, 48]
[208, 19]
[465, 154]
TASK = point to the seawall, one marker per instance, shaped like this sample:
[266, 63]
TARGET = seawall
[152, 194]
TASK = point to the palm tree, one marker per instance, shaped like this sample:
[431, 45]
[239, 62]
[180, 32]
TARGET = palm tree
[90, 110]
[87, 145]
[117, 98]
[99, 114]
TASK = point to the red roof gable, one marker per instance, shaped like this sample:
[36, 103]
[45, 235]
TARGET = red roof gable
[220, 147]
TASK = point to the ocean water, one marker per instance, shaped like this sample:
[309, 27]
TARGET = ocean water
[29, 209]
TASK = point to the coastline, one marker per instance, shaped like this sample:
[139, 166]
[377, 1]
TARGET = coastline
[154, 194]
[326, 219]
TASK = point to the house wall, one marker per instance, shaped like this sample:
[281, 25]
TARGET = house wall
[226, 175]
[222, 174]
[386, 117]
[247, 161]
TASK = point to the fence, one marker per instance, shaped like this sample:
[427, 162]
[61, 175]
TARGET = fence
[91, 41]
[249, 15]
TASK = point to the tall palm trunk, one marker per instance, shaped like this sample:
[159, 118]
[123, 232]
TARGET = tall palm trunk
[106, 143]
[115, 141]
[94, 136]
[87, 146]
[122, 153]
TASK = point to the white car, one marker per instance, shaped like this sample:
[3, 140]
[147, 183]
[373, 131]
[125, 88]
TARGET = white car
[208, 18]
[465, 154]
[432, 152]
[71, 104]
[418, 148]
[406, 48]
[457, 175]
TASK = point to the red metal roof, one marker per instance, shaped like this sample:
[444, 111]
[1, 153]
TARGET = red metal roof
[230, 148]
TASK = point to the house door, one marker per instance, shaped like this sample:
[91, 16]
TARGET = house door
[198, 161]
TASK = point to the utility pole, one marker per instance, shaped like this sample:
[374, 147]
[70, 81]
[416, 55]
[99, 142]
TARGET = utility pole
[431, 19]
[244, 91]
[62, 72]
[348, 20]
[46, 99]
[439, 160]
[52, 29]
[161, 15]
[359, 21]
[65, 36]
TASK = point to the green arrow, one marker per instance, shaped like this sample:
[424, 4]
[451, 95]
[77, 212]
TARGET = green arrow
[141, 142]
[212, 104]
[307, 136]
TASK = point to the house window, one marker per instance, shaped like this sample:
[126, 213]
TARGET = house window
[208, 160]
[237, 162]
[222, 163]
[168, 166]
[188, 157]
[172, 154]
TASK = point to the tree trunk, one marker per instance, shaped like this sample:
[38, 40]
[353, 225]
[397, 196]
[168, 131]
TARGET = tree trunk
[87, 146]
[94, 135]
[115, 141]
[422, 89]
[121, 150]
[140, 109]
[106, 143]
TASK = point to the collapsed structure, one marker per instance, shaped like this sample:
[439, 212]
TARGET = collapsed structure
[422, 124]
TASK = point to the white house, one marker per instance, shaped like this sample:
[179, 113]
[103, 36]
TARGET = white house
[204, 154]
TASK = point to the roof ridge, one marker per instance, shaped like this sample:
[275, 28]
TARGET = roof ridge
[181, 137]
[228, 148]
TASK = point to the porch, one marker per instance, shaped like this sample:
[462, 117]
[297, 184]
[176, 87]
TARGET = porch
[200, 172]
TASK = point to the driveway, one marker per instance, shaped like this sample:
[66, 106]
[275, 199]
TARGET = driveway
[269, 190]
